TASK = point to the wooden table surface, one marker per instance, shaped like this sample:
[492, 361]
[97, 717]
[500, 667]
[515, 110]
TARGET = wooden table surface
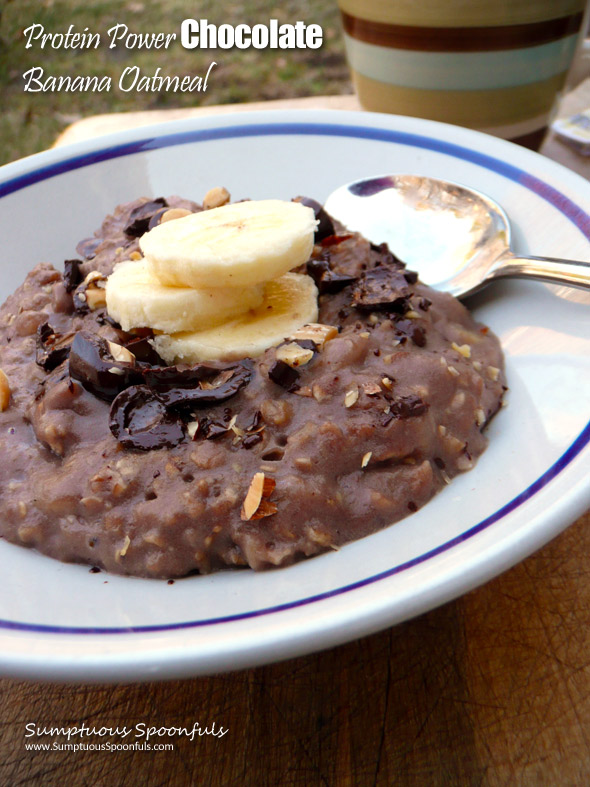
[490, 689]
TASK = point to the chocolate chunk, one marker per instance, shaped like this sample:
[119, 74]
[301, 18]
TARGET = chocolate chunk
[386, 256]
[155, 218]
[80, 303]
[52, 348]
[44, 332]
[411, 277]
[167, 378]
[122, 337]
[409, 406]
[140, 217]
[255, 422]
[93, 365]
[144, 351]
[325, 227]
[87, 247]
[419, 336]
[284, 375]
[251, 440]
[72, 274]
[140, 420]
[326, 279]
[210, 428]
[102, 318]
[424, 304]
[197, 385]
[383, 288]
[407, 329]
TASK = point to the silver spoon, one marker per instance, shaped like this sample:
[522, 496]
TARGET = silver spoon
[456, 238]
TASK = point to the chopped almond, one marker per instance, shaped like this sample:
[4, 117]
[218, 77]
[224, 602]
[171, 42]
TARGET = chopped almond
[268, 486]
[371, 389]
[255, 506]
[254, 496]
[462, 349]
[266, 508]
[319, 393]
[95, 277]
[305, 390]
[120, 353]
[95, 298]
[317, 332]
[351, 397]
[4, 391]
[123, 551]
[294, 355]
[216, 198]
[174, 213]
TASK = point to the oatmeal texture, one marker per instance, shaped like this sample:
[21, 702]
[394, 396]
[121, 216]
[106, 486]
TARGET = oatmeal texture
[333, 437]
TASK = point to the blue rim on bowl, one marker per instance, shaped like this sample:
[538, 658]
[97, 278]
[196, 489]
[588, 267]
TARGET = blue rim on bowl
[554, 197]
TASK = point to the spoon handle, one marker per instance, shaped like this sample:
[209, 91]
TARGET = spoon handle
[571, 272]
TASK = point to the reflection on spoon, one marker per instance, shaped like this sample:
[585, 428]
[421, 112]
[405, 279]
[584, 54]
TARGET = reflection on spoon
[456, 238]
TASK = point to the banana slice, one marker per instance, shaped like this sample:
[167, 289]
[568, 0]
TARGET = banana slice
[137, 299]
[289, 302]
[236, 245]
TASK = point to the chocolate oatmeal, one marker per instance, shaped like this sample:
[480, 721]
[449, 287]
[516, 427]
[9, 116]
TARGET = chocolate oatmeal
[116, 458]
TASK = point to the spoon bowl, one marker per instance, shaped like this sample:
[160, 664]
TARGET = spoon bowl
[456, 238]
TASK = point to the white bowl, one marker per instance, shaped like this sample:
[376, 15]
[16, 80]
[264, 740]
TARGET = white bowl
[61, 622]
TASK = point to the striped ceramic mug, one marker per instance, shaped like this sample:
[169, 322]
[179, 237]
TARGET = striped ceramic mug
[497, 66]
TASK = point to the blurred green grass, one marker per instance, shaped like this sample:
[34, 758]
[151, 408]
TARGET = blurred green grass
[30, 122]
